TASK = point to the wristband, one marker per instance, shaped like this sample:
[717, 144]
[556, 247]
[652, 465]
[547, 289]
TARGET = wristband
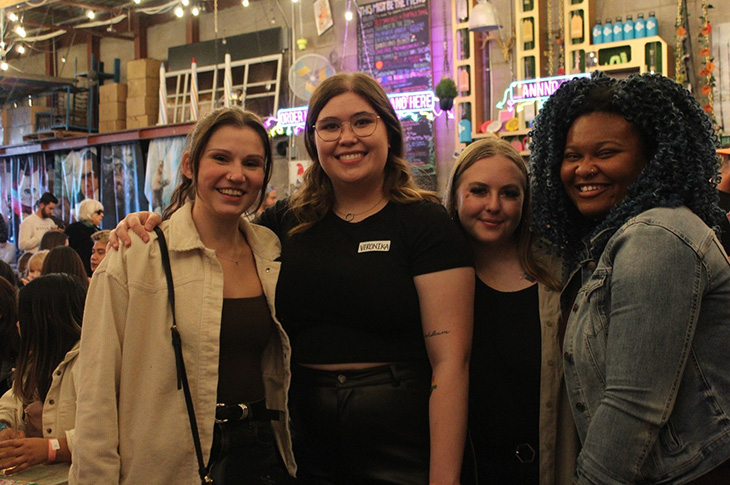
[53, 446]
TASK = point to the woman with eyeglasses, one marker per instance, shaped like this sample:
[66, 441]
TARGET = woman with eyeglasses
[90, 214]
[376, 293]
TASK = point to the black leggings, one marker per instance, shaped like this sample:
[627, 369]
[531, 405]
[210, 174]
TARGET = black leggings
[361, 427]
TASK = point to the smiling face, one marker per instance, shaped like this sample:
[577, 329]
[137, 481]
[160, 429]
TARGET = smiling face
[230, 173]
[489, 200]
[352, 159]
[603, 157]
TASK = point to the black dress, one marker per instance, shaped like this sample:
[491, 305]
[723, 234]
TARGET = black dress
[79, 238]
[504, 389]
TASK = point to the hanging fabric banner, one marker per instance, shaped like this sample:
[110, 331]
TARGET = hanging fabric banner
[227, 83]
[163, 162]
[194, 91]
[76, 178]
[162, 116]
[122, 186]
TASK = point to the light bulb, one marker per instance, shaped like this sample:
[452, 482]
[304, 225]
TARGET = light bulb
[244, 3]
[13, 17]
[348, 16]
[185, 3]
[90, 14]
[179, 12]
[137, 2]
[195, 11]
[20, 30]
[21, 49]
[4, 66]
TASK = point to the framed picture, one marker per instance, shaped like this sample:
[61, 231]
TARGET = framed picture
[322, 15]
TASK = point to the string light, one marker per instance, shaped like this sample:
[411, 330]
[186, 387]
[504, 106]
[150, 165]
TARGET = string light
[348, 16]
[244, 3]
[179, 12]
[185, 3]
[90, 14]
[4, 66]
[13, 17]
[21, 49]
[20, 31]
[137, 2]
[195, 11]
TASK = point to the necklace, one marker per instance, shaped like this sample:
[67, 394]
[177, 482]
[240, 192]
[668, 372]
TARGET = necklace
[230, 260]
[349, 216]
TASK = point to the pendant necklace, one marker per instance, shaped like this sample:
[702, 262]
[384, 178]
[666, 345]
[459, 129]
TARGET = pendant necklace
[349, 216]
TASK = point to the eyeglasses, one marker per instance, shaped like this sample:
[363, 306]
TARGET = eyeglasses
[362, 125]
[100, 212]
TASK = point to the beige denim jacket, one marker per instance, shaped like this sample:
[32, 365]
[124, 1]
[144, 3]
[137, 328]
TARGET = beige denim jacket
[132, 425]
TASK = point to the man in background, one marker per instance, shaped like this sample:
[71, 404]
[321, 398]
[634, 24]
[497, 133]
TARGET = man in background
[37, 224]
[98, 252]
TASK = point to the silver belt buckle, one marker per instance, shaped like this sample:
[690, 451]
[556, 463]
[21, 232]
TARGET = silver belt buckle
[244, 411]
[220, 421]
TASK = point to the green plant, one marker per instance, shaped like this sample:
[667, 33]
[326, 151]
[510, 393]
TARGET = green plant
[446, 88]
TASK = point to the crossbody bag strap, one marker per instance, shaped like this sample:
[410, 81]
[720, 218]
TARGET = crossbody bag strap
[182, 378]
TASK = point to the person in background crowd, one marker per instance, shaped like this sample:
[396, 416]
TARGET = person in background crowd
[35, 265]
[376, 292]
[723, 190]
[517, 434]
[63, 259]
[9, 338]
[21, 269]
[7, 250]
[90, 214]
[50, 309]
[269, 200]
[624, 186]
[51, 239]
[6, 271]
[35, 225]
[236, 353]
[98, 252]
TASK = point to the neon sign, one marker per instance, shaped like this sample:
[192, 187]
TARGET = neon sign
[519, 93]
[291, 121]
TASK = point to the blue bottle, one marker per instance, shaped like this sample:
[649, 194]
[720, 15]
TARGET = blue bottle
[618, 30]
[608, 31]
[640, 27]
[465, 131]
[629, 28]
[652, 28]
[598, 32]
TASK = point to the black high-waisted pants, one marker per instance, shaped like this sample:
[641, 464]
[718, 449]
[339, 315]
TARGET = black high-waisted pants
[361, 427]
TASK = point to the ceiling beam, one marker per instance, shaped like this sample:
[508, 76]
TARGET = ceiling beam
[89, 7]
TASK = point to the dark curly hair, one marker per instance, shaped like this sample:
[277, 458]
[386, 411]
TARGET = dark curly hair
[678, 141]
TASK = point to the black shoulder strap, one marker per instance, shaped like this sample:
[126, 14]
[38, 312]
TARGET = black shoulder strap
[182, 378]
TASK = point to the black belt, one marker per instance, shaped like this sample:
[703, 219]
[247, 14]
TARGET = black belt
[255, 411]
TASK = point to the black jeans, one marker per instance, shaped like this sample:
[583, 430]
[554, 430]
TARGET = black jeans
[245, 453]
[361, 427]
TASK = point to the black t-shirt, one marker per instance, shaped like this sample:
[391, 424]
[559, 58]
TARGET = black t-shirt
[504, 386]
[346, 291]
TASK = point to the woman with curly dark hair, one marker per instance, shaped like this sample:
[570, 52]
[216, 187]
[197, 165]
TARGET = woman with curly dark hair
[623, 176]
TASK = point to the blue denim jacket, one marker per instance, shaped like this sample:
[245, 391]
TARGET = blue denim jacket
[646, 353]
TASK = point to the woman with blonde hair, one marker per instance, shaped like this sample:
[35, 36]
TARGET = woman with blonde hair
[90, 214]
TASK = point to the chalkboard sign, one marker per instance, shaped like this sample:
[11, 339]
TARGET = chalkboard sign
[394, 45]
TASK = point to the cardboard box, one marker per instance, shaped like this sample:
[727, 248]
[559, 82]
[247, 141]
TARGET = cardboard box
[113, 92]
[141, 121]
[113, 111]
[115, 125]
[144, 86]
[142, 105]
[143, 68]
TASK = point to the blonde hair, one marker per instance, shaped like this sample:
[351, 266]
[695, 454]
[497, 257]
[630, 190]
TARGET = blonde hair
[102, 236]
[37, 259]
[492, 147]
[87, 208]
[315, 198]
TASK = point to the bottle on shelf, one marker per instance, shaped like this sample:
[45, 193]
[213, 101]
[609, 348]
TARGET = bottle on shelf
[527, 5]
[576, 27]
[618, 30]
[608, 31]
[652, 28]
[462, 10]
[598, 32]
[464, 82]
[639, 27]
[651, 66]
[629, 28]
[528, 34]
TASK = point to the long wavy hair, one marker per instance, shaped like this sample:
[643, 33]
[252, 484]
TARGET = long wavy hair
[9, 339]
[315, 198]
[50, 311]
[195, 145]
[678, 141]
[526, 241]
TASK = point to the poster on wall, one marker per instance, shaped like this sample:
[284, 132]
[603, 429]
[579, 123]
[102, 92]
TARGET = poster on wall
[163, 162]
[296, 174]
[121, 190]
[394, 46]
[323, 15]
[76, 179]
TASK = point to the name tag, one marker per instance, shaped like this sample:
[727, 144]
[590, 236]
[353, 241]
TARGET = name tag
[369, 246]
